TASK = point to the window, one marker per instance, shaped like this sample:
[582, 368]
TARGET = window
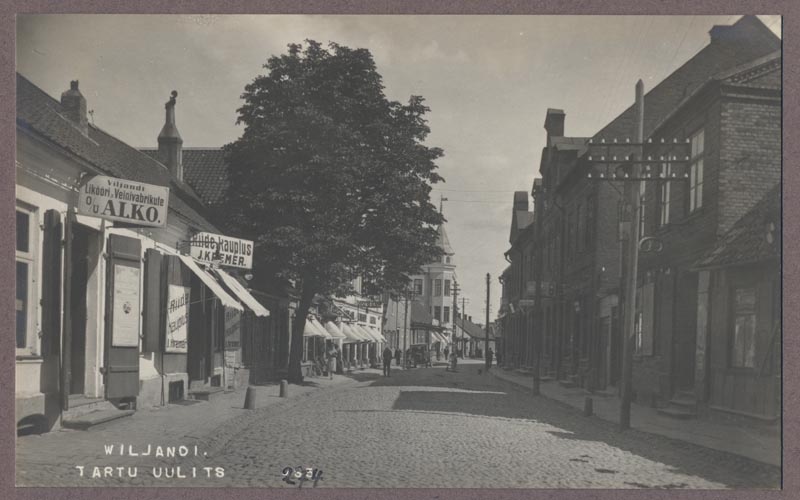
[696, 171]
[446, 288]
[642, 207]
[645, 319]
[362, 318]
[372, 320]
[25, 308]
[579, 240]
[437, 312]
[446, 317]
[743, 352]
[589, 226]
[447, 259]
[418, 287]
[437, 288]
[666, 172]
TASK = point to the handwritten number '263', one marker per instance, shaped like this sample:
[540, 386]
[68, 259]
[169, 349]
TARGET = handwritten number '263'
[301, 473]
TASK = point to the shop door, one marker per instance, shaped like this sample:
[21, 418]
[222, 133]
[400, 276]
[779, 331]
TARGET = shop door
[685, 332]
[123, 318]
[80, 276]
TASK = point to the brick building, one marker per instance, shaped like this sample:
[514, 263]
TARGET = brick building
[572, 256]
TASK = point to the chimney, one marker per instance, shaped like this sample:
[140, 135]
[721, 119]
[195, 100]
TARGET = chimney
[554, 123]
[170, 144]
[74, 106]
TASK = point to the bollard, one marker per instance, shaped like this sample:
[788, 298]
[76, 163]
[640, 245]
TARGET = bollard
[250, 398]
[587, 407]
[284, 389]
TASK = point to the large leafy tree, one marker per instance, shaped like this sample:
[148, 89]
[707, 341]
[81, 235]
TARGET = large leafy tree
[330, 178]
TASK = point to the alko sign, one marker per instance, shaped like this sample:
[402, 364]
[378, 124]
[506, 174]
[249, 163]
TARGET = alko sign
[125, 201]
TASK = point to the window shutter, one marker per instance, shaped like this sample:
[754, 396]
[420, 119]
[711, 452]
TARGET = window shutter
[153, 301]
[51, 283]
[647, 318]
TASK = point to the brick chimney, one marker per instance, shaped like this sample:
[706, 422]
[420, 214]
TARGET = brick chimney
[74, 107]
[170, 144]
[554, 122]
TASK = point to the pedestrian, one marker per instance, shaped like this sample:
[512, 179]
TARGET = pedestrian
[489, 354]
[499, 358]
[331, 363]
[397, 355]
[446, 353]
[387, 362]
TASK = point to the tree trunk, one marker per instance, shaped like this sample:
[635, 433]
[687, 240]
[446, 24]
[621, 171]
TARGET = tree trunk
[298, 327]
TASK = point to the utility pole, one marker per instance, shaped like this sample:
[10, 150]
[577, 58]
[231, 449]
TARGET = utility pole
[455, 307]
[639, 173]
[405, 329]
[463, 337]
[630, 292]
[486, 343]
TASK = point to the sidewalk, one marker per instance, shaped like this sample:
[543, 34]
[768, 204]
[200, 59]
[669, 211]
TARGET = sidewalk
[175, 424]
[754, 444]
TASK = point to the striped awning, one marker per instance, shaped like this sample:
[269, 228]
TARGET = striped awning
[321, 329]
[378, 333]
[366, 333]
[242, 293]
[334, 330]
[351, 335]
[211, 283]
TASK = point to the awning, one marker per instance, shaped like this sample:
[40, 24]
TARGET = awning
[351, 335]
[334, 330]
[310, 329]
[321, 329]
[378, 334]
[211, 283]
[242, 293]
[365, 333]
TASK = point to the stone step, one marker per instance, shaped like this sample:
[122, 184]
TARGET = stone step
[206, 393]
[677, 413]
[80, 405]
[88, 420]
[683, 402]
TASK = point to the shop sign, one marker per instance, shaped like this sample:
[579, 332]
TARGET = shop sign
[224, 250]
[526, 302]
[123, 200]
[233, 320]
[177, 318]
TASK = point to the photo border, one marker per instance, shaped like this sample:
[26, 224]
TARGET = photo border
[791, 232]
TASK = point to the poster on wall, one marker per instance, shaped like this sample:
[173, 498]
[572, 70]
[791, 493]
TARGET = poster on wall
[233, 320]
[125, 332]
[178, 299]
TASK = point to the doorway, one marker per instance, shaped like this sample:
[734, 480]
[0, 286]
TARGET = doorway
[77, 305]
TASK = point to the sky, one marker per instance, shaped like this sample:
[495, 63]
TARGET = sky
[488, 81]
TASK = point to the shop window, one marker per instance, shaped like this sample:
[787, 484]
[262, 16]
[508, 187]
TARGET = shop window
[645, 320]
[25, 301]
[696, 171]
[743, 349]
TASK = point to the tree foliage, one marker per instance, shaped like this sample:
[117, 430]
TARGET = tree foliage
[330, 178]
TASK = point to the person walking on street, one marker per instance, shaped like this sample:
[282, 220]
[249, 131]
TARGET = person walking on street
[387, 362]
[446, 353]
[489, 354]
[397, 355]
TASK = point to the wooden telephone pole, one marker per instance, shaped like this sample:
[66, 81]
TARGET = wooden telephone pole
[631, 166]
[486, 343]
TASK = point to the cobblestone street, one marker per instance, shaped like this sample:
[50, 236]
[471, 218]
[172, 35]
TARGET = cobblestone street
[422, 428]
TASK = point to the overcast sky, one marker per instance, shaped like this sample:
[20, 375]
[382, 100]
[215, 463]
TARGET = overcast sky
[487, 79]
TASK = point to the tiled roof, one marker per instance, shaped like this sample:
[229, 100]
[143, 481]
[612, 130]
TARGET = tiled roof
[205, 170]
[744, 41]
[42, 115]
[746, 241]
[475, 331]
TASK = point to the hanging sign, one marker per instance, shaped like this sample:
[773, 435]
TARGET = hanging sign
[126, 201]
[233, 321]
[224, 250]
[177, 318]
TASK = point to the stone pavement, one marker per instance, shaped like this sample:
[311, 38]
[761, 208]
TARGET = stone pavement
[423, 428]
[755, 444]
[56, 454]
